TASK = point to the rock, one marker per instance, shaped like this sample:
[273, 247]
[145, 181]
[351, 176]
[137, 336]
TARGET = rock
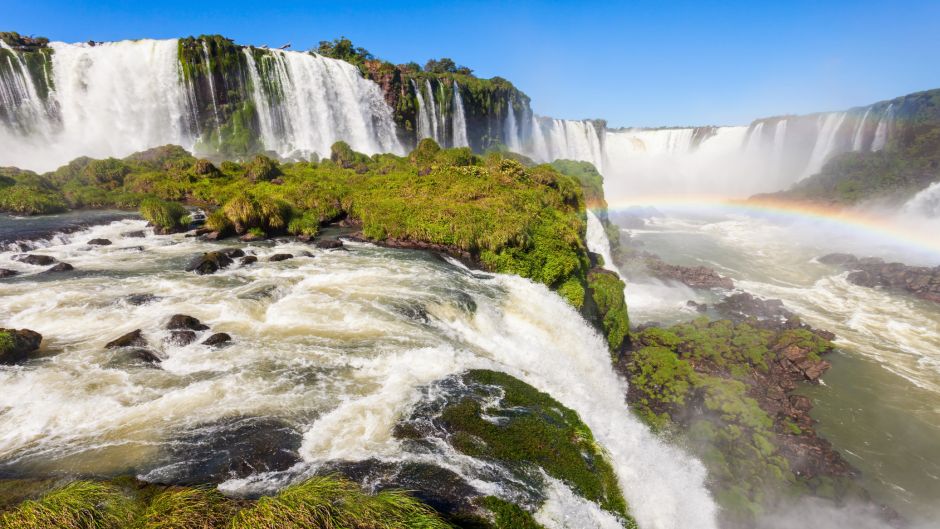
[249, 259]
[280, 257]
[138, 234]
[134, 338]
[840, 259]
[227, 449]
[212, 236]
[141, 299]
[217, 339]
[181, 338]
[232, 253]
[208, 263]
[742, 306]
[251, 237]
[99, 242]
[328, 244]
[17, 344]
[700, 307]
[35, 259]
[204, 167]
[144, 355]
[199, 232]
[182, 321]
[692, 276]
[61, 267]
[5, 272]
[872, 272]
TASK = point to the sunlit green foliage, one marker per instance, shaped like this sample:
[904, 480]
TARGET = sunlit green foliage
[607, 291]
[508, 515]
[188, 508]
[78, 505]
[163, 214]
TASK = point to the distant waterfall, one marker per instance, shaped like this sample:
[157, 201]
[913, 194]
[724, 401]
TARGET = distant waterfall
[547, 139]
[881, 133]
[823, 148]
[511, 129]
[113, 99]
[424, 121]
[460, 120]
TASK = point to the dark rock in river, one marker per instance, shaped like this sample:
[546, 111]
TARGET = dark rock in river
[251, 237]
[141, 299]
[209, 263]
[182, 321]
[232, 253]
[144, 355]
[328, 244]
[181, 338]
[134, 338]
[230, 448]
[5, 272]
[61, 267]
[444, 490]
[217, 339]
[249, 259]
[99, 242]
[692, 276]
[138, 234]
[280, 257]
[872, 272]
[35, 259]
[17, 344]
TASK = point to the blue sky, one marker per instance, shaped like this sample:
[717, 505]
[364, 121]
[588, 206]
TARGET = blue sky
[638, 63]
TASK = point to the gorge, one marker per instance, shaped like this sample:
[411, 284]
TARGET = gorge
[429, 291]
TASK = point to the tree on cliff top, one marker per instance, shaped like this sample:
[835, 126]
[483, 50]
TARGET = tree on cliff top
[446, 65]
[343, 49]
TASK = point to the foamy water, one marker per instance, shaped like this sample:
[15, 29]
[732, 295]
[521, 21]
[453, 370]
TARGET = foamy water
[324, 342]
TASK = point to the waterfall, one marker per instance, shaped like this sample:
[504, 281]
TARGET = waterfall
[780, 138]
[21, 107]
[828, 126]
[925, 203]
[511, 130]
[424, 124]
[554, 139]
[262, 105]
[460, 120]
[210, 75]
[859, 136]
[881, 132]
[432, 113]
[597, 241]
[754, 138]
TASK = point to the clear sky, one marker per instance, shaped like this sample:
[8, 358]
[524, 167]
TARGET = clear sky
[640, 63]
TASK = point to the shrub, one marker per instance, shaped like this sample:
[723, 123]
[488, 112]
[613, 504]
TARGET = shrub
[163, 214]
[29, 200]
[78, 505]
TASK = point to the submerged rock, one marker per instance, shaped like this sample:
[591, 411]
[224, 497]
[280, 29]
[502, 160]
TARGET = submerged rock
[17, 344]
[5, 272]
[134, 338]
[35, 259]
[61, 267]
[99, 242]
[248, 260]
[182, 321]
[280, 257]
[141, 299]
[209, 263]
[328, 244]
[232, 253]
[227, 449]
[138, 234]
[692, 276]
[218, 339]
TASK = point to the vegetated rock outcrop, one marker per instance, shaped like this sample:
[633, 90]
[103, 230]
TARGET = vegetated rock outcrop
[921, 281]
[17, 344]
[728, 388]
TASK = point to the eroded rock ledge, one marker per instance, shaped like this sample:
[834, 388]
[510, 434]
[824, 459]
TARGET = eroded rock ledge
[873, 272]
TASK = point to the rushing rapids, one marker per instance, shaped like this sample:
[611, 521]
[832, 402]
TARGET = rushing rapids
[336, 344]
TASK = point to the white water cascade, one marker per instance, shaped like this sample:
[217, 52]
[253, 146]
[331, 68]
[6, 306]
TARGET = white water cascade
[825, 141]
[597, 241]
[342, 382]
[881, 133]
[19, 98]
[460, 120]
[547, 139]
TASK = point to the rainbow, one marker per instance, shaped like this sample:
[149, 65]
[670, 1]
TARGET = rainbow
[893, 228]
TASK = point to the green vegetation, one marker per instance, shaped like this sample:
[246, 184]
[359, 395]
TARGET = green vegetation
[162, 214]
[78, 505]
[607, 291]
[529, 428]
[592, 182]
[692, 381]
[188, 508]
[908, 163]
[330, 502]
[508, 515]
[7, 343]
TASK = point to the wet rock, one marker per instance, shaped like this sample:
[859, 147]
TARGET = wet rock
[144, 355]
[99, 242]
[141, 299]
[839, 259]
[872, 272]
[184, 322]
[61, 267]
[413, 311]
[232, 253]
[251, 237]
[227, 449]
[138, 234]
[199, 232]
[212, 236]
[444, 490]
[218, 339]
[328, 244]
[17, 344]
[35, 259]
[5, 272]
[209, 263]
[248, 260]
[280, 257]
[134, 338]
[700, 307]
[181, 338]
[692, 276]
[742, 306]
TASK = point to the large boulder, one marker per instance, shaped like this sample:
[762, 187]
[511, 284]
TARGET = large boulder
[60, 267]
[184, 322]
[209, 263]
[134, 338]
[99, 242]
[280, 257]
[17, 344]
[328, 244]
[35, 259]
[218, 339]
[5, 272]
[181, 338]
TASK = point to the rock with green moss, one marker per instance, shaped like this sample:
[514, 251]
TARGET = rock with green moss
[17, 344]
[607, 293]
[497, 418]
